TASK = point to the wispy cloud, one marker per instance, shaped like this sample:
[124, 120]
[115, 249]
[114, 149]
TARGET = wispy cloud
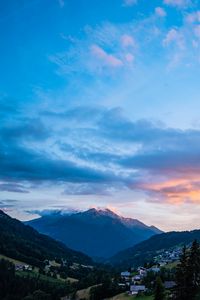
[108, 48]
[129, 2]
[61, 3]
[176, 37]
[104, 58]
[177, 3]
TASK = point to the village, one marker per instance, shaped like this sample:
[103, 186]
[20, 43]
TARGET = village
[134, 280]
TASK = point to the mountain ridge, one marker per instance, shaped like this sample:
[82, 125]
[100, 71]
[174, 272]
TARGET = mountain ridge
[96, 232]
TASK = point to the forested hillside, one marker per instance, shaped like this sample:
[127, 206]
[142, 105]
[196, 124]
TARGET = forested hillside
[26, 244]
[146, 250]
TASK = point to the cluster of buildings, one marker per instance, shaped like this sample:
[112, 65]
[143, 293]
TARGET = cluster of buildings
[23, 267]
[168, 256]
[136, 282]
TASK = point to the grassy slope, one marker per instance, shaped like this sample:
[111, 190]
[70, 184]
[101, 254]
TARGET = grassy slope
[85, 293]
[125, 296]
[14, 261]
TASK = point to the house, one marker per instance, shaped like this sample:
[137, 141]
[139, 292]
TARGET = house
[125, 275]
[136, 278]
[142, 271]
[169, 284]
[19, 267]
[123, 285]
[135, 289]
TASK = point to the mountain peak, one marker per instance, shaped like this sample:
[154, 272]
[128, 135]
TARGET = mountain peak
[101, 212]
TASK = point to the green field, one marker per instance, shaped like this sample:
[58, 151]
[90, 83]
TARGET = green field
[41, 276]
[125, 296]
[14, 261]
[85, 293]
[171, 265]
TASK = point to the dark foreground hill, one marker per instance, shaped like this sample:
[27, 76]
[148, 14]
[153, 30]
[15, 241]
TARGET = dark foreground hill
[24, 243]
[146, 250]
[98, 233]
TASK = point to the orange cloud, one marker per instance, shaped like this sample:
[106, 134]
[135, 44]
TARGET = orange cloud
[176, 190]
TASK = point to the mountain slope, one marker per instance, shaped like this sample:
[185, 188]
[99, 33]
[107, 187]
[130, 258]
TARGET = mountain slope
[98, 233]
[26, 244]
[146, 250]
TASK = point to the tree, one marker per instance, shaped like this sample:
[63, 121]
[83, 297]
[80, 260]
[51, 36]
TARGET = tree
[159, 293]
[182, 277]
[193, 270]
[40, 295]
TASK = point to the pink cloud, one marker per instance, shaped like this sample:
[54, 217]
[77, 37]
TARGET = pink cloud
[127, 40]
[160, 12]
[174, 190]
[193, 17]
[174, 36]
[105, 58]
[129, 57]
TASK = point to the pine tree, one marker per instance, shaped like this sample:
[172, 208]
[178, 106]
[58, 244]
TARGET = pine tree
[159, 293]
[181, 292]
[194, 269]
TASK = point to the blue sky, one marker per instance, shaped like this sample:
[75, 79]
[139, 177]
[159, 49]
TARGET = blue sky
[99, 107]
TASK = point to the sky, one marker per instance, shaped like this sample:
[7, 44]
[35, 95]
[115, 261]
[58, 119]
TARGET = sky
[99, 107]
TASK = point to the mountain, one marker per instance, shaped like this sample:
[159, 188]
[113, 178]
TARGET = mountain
[98, 233]
[24, 243]
[146, 250]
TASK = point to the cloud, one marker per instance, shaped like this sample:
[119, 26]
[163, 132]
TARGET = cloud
[174, 37]
[104, 58]
[23, 164]
[193, 17]
[89, 189]
[28, 129]
[8, 203]
[197, 31]
[129, 2]
[115, 49]
[13, 187]
[177, 3]
[159, 11]
[61, 3]
[83, 162]
[128, 41]
[145, 156]
[105, 49]
[144, 153]
[177, 191]
[50, 212]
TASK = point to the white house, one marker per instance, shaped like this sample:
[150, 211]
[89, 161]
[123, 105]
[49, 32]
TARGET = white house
[142, 271]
